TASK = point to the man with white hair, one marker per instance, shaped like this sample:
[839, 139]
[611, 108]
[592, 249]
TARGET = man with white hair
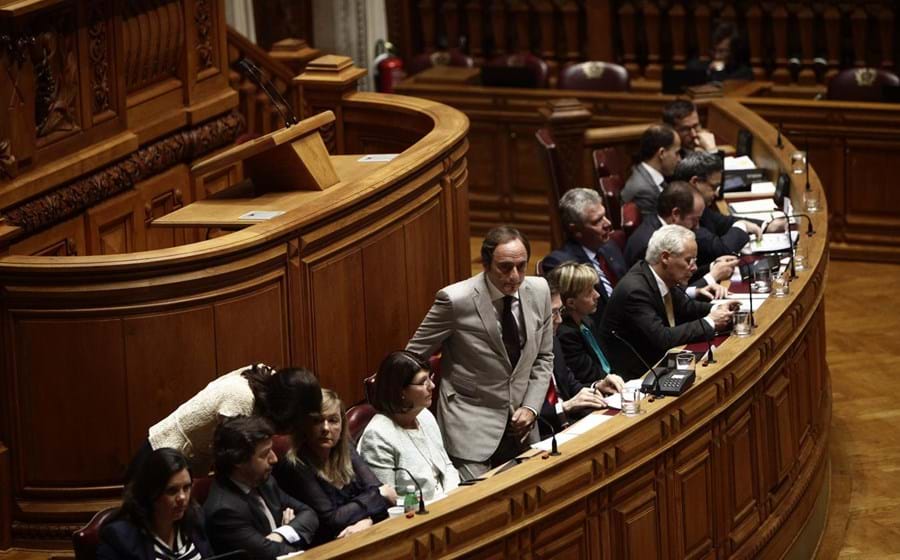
[649, 308]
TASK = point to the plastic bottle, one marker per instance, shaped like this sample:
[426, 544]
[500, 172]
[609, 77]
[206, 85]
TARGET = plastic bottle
[410, 499]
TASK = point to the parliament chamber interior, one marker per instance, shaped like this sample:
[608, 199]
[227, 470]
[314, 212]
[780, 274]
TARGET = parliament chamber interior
[191, 186]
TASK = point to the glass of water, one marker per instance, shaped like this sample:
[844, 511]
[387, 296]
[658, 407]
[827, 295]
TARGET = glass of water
[811, 199]
[762, 281]
[742, 326]
[801, 256]
[798, 163]
[781, 287]
[631, 402]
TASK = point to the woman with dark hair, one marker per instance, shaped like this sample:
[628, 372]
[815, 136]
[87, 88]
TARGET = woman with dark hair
[158, 519]
[324, 472]
[282, 397]
[404, 433]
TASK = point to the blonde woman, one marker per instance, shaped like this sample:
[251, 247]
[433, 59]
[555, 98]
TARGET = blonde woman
[582, 352]
[325, 472]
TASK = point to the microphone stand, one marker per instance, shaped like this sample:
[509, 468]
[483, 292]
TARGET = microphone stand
[554, 448]
[809, 233]
[749, 279]
[709, 349]
[422, 510]
[778, 143]
[278, 101]
[655, 387]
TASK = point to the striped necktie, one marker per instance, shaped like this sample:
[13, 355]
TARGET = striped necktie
[604, 279]
[592, 342]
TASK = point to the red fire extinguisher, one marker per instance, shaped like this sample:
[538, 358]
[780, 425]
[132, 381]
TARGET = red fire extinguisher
[389, 66]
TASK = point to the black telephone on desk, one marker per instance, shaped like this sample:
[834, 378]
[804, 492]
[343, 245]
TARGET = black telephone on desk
[672, 381]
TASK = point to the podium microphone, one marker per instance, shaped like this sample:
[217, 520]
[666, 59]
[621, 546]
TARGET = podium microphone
[278, 101]
[554, 448]
[710, 359]
[422, 510]
[654, 387]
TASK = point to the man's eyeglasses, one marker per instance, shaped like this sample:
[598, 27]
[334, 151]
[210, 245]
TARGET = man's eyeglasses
[429, 379]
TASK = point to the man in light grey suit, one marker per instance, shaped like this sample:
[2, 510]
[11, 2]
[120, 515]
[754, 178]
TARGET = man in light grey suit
[495, 335]
[659, 153]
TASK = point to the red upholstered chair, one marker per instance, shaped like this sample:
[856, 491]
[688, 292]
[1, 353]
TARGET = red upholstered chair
[550, 155]
[861, 84]
[631, 217]
[595, 76]
[611, 189]
[358, 418]
[200, 488]
[453, 57]
[86, 539]
[608, 161]
[539, 70]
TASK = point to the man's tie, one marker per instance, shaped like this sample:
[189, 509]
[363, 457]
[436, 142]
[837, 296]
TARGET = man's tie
[261, 504]
[510, 332]
[592, 342]
[670, 310]
[604, 277]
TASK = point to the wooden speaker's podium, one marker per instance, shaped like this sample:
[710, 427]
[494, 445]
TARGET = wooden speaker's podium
[292, 158]
[288, 168]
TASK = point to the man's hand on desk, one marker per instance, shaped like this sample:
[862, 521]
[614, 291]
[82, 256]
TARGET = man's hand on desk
[723, 267]
[721, 314]
[777, 225]
[610, 384]
[752, 229]
[713, 291]
[586, 398]
[521, 421]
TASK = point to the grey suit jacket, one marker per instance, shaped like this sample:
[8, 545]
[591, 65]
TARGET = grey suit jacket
[641, 189]
[479, 390]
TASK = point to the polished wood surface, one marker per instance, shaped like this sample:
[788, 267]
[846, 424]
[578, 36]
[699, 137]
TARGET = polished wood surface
[98, 348]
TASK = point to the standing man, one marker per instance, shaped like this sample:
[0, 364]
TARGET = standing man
[659, 152]
[650, 310]
[587, 242]
[495, 335]
[681, 115]
[246, 510]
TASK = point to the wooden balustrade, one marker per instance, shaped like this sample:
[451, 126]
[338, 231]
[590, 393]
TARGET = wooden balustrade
[789, 42]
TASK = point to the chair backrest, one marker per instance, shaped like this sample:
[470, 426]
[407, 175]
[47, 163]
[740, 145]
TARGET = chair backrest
[631, 217]
[861, 84]
[609, 161]
[452, 57]
[540, 72]
[611, 189]
[86, 539]
[595, 75]
[200, 488]
[358, 417]
[550, 155]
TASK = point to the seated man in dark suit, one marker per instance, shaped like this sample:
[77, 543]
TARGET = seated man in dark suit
[650, 309]
[246, 510]
[567, 399]
[587, 242]
[682, 116]
[659, 153]
[682, 205]
[704, 172]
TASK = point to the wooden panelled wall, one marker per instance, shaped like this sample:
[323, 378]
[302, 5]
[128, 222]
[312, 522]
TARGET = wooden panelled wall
[788, 42]
[735, 468]
[97, 349]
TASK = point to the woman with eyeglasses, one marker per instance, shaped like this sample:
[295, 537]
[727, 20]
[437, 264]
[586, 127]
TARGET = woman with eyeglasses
[404, 433]
[283, 397]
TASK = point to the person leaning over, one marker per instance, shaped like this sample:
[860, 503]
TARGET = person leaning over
[404, 433]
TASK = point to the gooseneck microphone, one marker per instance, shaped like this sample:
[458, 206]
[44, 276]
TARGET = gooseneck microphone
[710, 359]
[778, 142]
[554, 448]
[654, 389]
[809, 233]
[422, 510]
[278, 101]
[806, 171]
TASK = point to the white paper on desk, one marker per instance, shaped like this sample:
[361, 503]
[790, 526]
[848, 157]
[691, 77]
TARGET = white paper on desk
[261, 215]
[547, 444]
[770, 243]
[753, 206]
[587, 423]
[613, 401]
[291, 555]
[764, 187]
[739, 163]
[744, 300]
[375, 158]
